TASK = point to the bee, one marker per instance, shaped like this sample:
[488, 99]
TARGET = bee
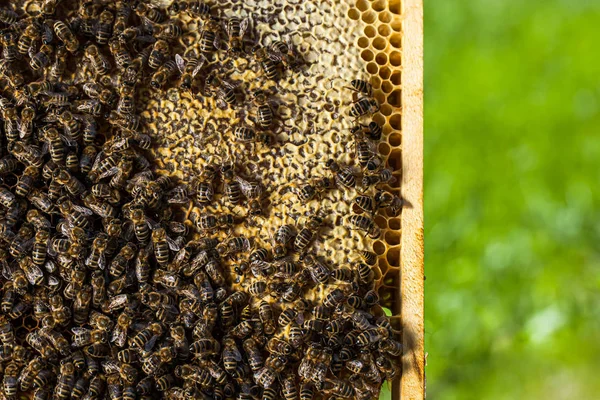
[363, 107]
[392, 347]
[28, 373]
[7, 334]
[306, 391]
[65, 35]
[8, 298]
[319, 272]
[7, 16]
[269, 63]
[9, 382]
[333, 298]
[235, 29]
[163, 74]
[40, 59]
[7, 198]
[386, 200]
[160, 51]
[234, 245]
[366, 154]
[344, 176]
[337, 388]
[253, 191]
[162, 244]
[306, 234]
[308, 191]
[81, 304]
[208, 36]
[149, 14]
[282, 50]
[126, 105]
[33, 272]
[80, 387]
[98, 92]
[366, 224]
[10, 51]
[224, 91]
[264, 114]
[189, 68]
[169, 31]
[122, 259]
[97, 384]
[196, 8]
[120, 53]
[141, 224]
[97, 257]
[387, 367]
[11, 127]
[255, 359]
[205, 347]
[72, 184]
[28, 38]
[361, 87]
[9, 164]
[104, 27]
[99, 62]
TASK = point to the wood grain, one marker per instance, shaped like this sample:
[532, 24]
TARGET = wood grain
[412, 384]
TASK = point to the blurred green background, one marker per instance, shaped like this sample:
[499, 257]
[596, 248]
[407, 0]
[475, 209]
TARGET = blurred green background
[512, 184]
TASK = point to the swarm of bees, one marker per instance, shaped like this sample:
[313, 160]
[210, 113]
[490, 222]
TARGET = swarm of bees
[110, 288]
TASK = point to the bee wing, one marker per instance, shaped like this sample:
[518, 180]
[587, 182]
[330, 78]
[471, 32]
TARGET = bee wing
[34, 273]
[244, 25]
[79, 330]
[84, 210]
[7, 271]
[118, 335]
[232, 352]
[180, 63]
[173, 245]
[110, 367]
[99, 157]
[110, 172]
[102, 261]
[152, 224]
[150, 344]
[23, 128]
[201, 62]
[68, 141]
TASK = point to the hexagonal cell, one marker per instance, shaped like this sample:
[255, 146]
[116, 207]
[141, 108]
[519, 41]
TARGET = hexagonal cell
[387, 87]
[379, 96]
[363, 42]
[392, 238]
[379, 43]
[379, 247]
[396, 78]
[384, 30]
[385, 17]
[396, 58]
[396, 40]
[394, 98]
[396, 123]
[394, 6]
[394, 223]
[396, 24]
[353, 14]
[369, 17]
[383, 265]
[370, 31]
[362, 5]
[380, 221]
[385, 72]
[393, 257]
[384, 148]
[386, 110]
[372, 68]
[375, 82]
[367, 55]
[379, 5]
[380, 119]
[381, 59]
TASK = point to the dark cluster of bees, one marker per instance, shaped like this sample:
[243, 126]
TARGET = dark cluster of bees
[110, 289]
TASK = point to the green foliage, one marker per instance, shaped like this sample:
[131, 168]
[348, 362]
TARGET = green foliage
[512, 186]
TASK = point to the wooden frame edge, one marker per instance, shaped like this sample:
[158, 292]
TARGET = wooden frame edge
[412, 384]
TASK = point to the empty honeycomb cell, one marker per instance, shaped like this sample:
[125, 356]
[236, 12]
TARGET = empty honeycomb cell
[393, 257]
[383, 265]
[384, 148]
[354, 14]
[386, 110]
[387, 87]
[369, 17]
[395, 58]
[394, 159]
[381, 58]
[384, 30]
[394, 223]
[381, 221]
[395, 98]
[394, 6]
[379, 247]
[367, 55]
[378, 275]
[372, 68]
[385, 17]
[370, 31]
[363, 42]
[396, 78]
[375, 82]
[396, 24]
[385, 72]
[387, 129]
[379, 5]
[392, 237]
[379, 96]
[379, 43]
[362, 5]
[380, 119]
[396, 40]
[396, 121]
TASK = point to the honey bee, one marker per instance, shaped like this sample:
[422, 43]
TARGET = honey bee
[390, 346]
[7, 16]
[195, 8]
[253, 192]
[122, 259]
[308, 191]
[99, 62]
[29, 37]
[344, 176]
[160, 51]
[205, 347]
[168, 31]
[149, 14]
[283, 51]
[81, 304]
[235, 29]
[8, 164]
[393, 204]
[209, 40]
[33, 272]
[146, 338]
[28, 373]
[224, 91]
[10, 51]
[126, 105]
[306, 234]
[97, 257]
[189, 68]
[120, 53]
[97, 92]
[387, 367]
[366, 224]
[163, 74]
[9, 382]
[363, 106]
[40, 59]
[65, 35]
[269, 63]
[264, 114]
[104, 27]
[72, 184]
[337, 388]
[366, 154]
[333, 298]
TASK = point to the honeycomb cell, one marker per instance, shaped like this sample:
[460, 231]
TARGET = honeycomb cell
[379, 43]
[396, 78]
[395, 98]
[384, 30]
[380, 119]
[396, 121]
[354, 14]
[393, 257]
[385, 72]
[394, 6]
[396, 24]
[363, 42]
[379, 5]
[394, 223]
[367, 55]
[381, 59]
[387, 129]
[370, 31]
[386, 87]
[362, 5]
[375, 82]
[383, 265]
[369, 17]
[386, 110]
[396, 40]
[381, 221]
[392, 238]
[385, 17]
[379, 247]
[395, 58]
[395, 159]
[384, 148]
[372, 68]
